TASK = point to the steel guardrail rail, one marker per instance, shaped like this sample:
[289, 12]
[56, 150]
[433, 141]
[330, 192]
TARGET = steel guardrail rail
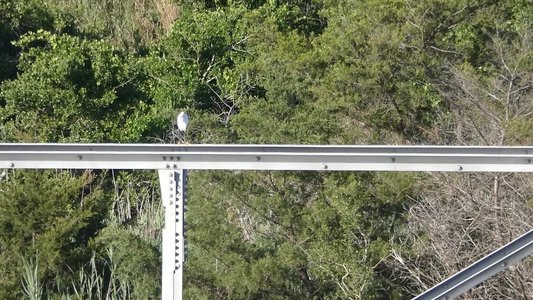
[267, 157]
[483, 269]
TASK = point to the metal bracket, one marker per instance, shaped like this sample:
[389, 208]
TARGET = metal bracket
[173, 194]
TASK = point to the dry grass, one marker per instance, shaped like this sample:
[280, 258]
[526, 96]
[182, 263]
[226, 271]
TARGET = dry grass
[128, 24]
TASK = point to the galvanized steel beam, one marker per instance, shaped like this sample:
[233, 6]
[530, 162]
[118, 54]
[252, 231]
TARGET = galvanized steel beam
[267, 157]
[173, 195]
[481, 270]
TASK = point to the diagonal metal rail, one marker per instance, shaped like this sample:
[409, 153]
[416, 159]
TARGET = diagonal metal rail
[481, 270]
[267, 157]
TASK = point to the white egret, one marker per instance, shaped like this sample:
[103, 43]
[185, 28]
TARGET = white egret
[182, 121]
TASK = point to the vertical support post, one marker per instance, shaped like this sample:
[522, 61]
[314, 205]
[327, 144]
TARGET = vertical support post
[173, 195]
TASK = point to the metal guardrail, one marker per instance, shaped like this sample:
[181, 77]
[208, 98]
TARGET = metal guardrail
[481, 270]
[175, 158]
[267, 157]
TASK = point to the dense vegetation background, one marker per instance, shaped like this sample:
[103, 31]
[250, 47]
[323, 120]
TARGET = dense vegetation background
[456, 72]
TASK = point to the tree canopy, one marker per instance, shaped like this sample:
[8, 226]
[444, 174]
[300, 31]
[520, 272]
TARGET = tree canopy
[282, 72]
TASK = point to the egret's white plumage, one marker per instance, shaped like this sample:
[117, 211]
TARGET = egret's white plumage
[182, 121]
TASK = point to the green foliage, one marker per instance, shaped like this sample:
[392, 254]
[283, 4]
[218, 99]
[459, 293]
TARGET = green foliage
[72, 89]
[378, 66]
[292, 235]
[18, 17]
[520, 131]
[293, 72]
[180, 68]
[31, 283]
[195, 68]
[135, 261]
[52, 216]
[288, 110]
